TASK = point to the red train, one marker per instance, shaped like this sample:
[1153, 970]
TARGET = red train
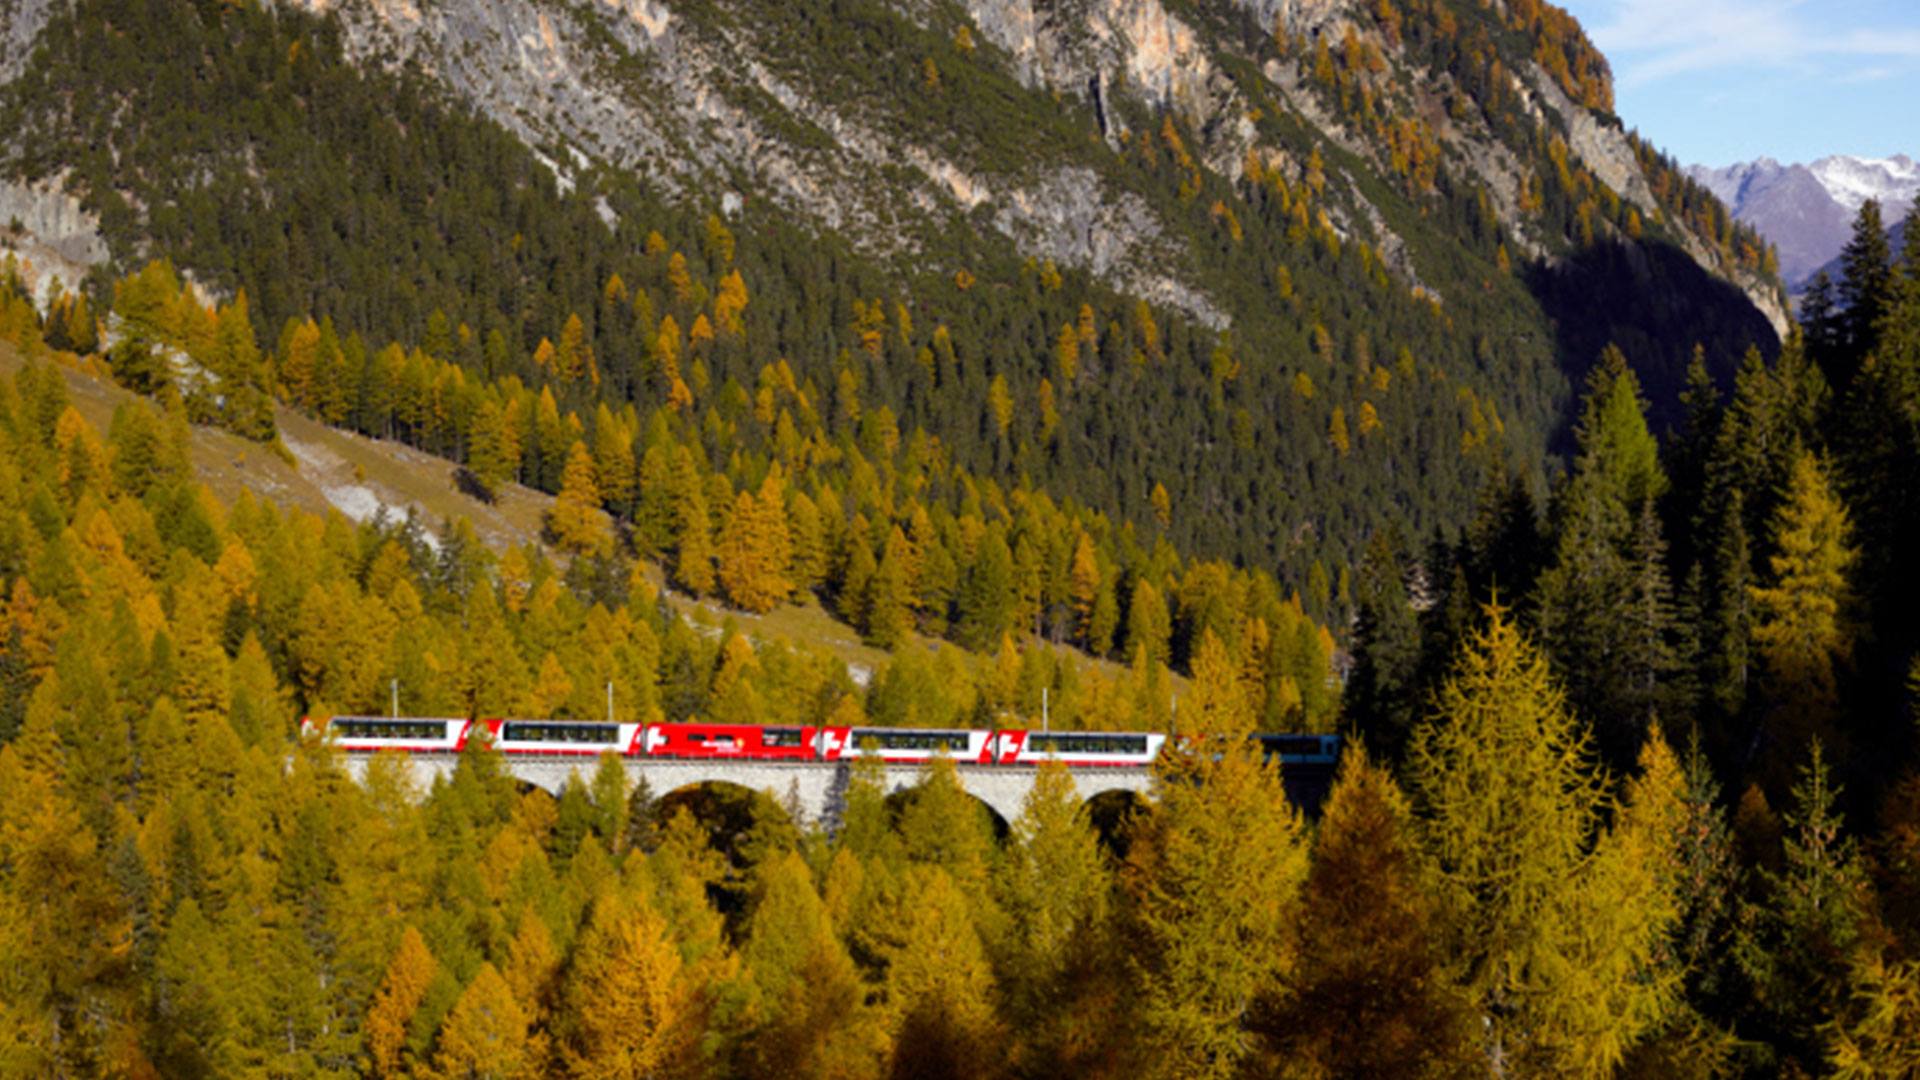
[806, 742]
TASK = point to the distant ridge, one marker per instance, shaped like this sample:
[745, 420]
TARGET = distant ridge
[1808, 210]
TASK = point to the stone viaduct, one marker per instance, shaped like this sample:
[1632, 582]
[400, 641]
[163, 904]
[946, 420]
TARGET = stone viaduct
[817, 789]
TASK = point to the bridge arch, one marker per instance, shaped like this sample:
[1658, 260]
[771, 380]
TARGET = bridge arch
[1112, 812]
[726, 809]
[900, 799]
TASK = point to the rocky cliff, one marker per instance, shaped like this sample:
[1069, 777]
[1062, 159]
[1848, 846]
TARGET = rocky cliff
[707, 99]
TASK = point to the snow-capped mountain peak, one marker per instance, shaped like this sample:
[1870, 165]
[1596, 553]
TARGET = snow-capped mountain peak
[1852, 181]
[1807, 211]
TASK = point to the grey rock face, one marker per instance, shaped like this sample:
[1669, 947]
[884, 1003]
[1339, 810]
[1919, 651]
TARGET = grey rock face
[699, 100]
[56, 238]
[20, 22]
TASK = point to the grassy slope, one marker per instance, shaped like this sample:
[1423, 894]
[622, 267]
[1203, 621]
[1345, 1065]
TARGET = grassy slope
[338, 470]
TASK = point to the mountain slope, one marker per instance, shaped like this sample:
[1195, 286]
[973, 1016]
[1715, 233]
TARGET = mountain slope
[755, 99]
[1328, 261]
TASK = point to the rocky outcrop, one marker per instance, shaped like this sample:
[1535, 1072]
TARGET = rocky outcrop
[49, 233]
[20, 23]
[692, 102]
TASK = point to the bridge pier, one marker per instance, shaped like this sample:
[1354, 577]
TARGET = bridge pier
[817, 790]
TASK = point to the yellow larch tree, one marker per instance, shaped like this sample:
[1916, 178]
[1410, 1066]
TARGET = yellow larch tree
[1557, 924]
[626, 1008]
[1085, 581]
[575, 520]
[1055, 887]
[1372, 996]
[940, 990]
[1162, 505]
[409, 974]
[1066, 355]
[755, 548]
[615, 469]
[1800, 620]
[1211, 884]
[485, 1036]
[551, 687]
[1000, 403]
[810, 1016]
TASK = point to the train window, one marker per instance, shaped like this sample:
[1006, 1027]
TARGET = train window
[894, 739]
[389, 729]
[522, 731]
[1086, 744]
[780, 736]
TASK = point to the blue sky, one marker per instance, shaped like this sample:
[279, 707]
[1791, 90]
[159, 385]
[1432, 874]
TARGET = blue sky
[1718, 81]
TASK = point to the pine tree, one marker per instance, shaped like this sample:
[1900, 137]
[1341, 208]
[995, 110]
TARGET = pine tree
[1708, 875]
[1381, 694]
[1729, 622]
[1610, 656]
[1823, 323]
[1866, 292]
[1877, 454]
[1648, 660]
[985, 602]
[1799, 936]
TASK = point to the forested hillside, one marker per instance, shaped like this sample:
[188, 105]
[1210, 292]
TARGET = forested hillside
[1361, 327]
[1523, 871]
[1213, 368]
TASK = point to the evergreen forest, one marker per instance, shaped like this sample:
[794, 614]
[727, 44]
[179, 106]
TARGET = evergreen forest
[1599, 580]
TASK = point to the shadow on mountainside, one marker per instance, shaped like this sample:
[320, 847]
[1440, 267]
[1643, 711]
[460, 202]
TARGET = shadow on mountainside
[1656, 303]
